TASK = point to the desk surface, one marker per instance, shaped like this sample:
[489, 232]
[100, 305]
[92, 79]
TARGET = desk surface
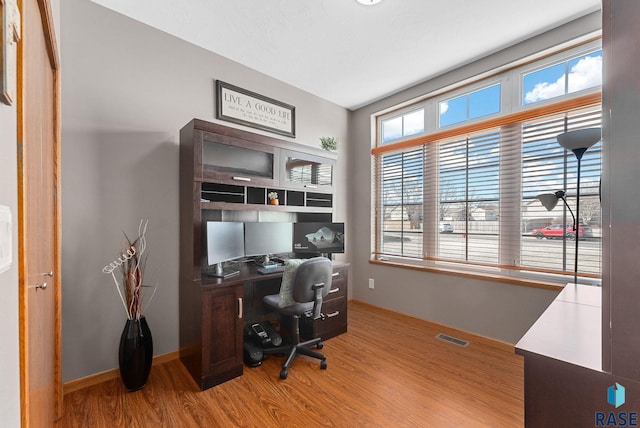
[248, 273]
[570, 329]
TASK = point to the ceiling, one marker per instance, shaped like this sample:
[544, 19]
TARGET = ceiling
[348, 53]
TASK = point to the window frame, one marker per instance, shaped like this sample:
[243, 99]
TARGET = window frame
[561, 57]
[400, 114]
[466, 91]
[512, 110]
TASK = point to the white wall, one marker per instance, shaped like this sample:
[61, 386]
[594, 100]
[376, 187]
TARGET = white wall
[127, 90]
[9, 351]
[493, 309]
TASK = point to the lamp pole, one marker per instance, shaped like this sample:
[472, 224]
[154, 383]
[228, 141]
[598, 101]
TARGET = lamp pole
[576, 220]
[578, 141]
[562, 195]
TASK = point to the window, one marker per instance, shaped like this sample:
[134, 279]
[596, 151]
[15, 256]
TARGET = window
[468, 177]
[467, 196]
[470, 106]
[402, 126]
[401, 198]
[563, 78]
[482, 188]
[547, 167]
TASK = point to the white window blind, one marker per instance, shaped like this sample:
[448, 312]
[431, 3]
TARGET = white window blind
[485, 185]
[469, 198]
[547, 168]
[400, 186]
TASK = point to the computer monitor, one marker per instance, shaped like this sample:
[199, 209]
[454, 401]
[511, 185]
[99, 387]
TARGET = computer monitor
[318, 238]
[267, 238]
[225, 241]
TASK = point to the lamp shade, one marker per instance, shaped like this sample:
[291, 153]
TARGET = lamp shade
[580, 140]
[548, 200]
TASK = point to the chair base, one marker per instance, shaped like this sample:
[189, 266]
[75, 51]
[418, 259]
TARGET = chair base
[300, 348]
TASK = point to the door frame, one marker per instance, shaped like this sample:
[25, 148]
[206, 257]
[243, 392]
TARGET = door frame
[48, 28]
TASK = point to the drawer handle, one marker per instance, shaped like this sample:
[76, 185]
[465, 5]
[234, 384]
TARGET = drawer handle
[334, 290]
[240, 307]
[333, 314]
[335, 274]
[241, 178]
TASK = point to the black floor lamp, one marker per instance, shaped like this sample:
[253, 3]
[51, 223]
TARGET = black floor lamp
[578, 142]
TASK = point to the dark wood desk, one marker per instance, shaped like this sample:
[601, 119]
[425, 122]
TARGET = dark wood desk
[213, 312]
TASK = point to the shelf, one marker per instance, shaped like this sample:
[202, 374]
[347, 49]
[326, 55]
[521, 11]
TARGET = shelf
[256, 195]
[237, 197]
[260, 207]
[215, 192]
[319, 199]
[295, 199]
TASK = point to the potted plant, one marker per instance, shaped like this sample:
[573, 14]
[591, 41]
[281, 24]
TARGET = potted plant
[273, 198]
[329, 143]
[136, 344]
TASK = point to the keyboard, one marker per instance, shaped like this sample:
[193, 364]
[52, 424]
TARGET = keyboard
[265, 270]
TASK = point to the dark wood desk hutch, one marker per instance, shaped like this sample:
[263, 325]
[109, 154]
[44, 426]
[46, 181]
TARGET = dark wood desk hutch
[226, 175]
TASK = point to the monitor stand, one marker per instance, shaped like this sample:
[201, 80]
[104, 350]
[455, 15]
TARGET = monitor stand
[267, 262]
[223, 272]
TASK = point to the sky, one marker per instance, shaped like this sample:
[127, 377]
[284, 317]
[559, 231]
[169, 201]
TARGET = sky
[584, 72]
[570, 76]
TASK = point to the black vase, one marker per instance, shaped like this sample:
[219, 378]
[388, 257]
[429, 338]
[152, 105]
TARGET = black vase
[135, 354]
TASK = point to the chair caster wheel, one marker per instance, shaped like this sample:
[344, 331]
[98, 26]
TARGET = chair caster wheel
[323, 365]
[284, 373]
[320, 345]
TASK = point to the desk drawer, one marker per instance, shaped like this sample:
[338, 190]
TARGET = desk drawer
[339, 273]
[338, 284]
[333, 324]
[338, 290]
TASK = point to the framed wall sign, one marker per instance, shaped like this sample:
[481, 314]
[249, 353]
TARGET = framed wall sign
[257, 111]
[9, 38]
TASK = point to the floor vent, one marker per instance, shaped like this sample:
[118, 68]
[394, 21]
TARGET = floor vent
[453, 340]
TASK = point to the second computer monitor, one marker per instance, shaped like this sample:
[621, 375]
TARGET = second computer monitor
[267, 238]
[318, 238]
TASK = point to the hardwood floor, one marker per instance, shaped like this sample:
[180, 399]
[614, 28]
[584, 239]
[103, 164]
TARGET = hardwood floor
[389, 370]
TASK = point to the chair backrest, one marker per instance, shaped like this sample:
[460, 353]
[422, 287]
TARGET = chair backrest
[313, 282]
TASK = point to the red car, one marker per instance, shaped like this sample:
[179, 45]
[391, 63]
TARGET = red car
[557, 231]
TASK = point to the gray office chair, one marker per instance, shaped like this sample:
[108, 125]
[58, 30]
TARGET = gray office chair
[311, 284]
